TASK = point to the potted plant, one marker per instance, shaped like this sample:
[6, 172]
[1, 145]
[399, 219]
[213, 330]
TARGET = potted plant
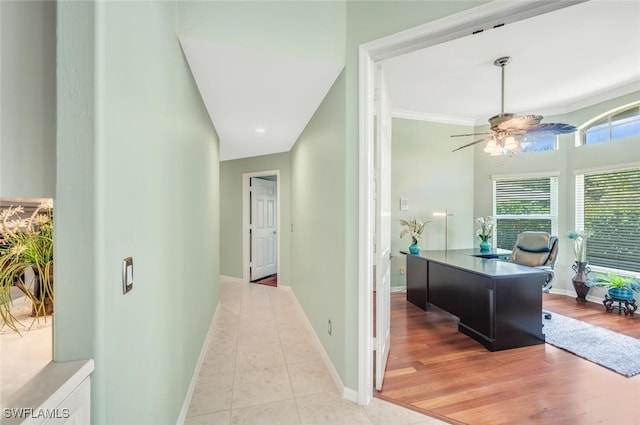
[581, 266]
[26, 243]
[413, 227]
[619, 287]
[485, 232]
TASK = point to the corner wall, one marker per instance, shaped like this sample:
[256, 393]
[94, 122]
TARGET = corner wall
[433, 179]
[143, 181]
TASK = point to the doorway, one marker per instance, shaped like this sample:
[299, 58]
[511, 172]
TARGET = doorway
[261, 224]
[484, 17]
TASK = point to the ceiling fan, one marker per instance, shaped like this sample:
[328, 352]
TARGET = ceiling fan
[508, 130]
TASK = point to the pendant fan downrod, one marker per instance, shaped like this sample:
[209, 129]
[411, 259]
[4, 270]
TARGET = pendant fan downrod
[501, 117]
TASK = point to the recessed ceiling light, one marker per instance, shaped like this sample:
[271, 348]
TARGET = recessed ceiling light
[260, 130]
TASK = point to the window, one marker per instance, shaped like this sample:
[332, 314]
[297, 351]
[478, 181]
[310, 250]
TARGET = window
[539, 143]
[524, 204]
[607, 204]
[614, 125]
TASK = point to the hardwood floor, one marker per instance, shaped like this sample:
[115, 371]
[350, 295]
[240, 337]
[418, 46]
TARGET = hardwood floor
[435, 369]
[269, 280]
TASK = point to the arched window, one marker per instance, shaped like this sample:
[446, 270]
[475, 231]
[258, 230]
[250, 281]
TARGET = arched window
[616, 124]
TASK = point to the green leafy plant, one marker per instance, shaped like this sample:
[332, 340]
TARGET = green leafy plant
[413, 227]
[26, 243]
[613, 280]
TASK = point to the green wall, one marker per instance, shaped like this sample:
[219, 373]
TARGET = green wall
[231, 211]
[433, 179]
[317, 214]
[28, 99]
[142, 181]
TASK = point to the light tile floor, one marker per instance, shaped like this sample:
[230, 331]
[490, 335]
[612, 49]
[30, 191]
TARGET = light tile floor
[263, 367]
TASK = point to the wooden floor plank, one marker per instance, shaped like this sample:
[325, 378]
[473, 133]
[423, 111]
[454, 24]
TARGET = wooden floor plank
[435, 369]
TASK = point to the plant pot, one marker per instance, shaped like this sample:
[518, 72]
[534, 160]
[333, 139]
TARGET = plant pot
[621, 294]
[582, 275]
[485, 246]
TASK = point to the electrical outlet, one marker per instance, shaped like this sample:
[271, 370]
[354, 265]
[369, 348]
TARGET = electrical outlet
[330, 328]
[402, 271]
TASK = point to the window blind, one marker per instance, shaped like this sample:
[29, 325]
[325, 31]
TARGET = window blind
[608, 203]
[524, 204]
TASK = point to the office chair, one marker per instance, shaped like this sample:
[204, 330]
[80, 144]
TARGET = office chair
[540, 250]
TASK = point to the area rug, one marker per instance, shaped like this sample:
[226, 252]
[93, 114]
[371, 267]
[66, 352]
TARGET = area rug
[618, 352]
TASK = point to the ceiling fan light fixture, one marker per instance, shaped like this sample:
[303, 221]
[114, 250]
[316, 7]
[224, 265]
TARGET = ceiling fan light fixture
[506, 127]
[497, 151]
[491, 146]
[511, 144]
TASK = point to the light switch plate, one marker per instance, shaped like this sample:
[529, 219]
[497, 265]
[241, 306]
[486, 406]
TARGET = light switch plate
[127, 275]
[404, 204]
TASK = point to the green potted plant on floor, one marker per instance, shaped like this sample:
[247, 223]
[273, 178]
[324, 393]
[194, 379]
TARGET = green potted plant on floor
[26, 242]
[619, 287]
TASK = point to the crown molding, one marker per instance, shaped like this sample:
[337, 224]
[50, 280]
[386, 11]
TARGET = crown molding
[423, 116]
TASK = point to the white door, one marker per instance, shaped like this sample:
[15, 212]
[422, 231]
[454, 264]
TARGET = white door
[263, 228]
[383, 226]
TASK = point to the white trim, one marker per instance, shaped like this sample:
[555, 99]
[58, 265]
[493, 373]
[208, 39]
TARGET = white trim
[483, 17]
[580, 131]
[423, 116]
[230, 279]
[398, 289]
[365, 242]
[347, 393]
[500, 177]
[607, 168]
[607, 113]
[196, 372]
[246, 211]
[433, 33]
[572, 294]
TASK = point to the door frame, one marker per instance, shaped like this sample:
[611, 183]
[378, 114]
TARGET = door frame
[484, 17]
[246, 218]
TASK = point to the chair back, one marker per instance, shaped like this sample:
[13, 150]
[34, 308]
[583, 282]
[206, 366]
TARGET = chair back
[535, 249]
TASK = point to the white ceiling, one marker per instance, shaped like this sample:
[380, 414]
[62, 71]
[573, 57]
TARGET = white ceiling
[246, 89]
[561, 61]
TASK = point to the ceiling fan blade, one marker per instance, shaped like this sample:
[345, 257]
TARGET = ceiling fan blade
[470, 134]
[520, 124]
[469, 144]
[552, 128]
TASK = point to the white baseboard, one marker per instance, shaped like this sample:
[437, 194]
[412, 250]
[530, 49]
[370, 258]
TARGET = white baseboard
[571, 293]
[196, 372]
[347, 393]
[229, 279]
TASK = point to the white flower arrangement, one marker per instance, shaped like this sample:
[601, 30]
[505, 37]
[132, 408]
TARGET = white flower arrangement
[413, 227]
[485, 232]
[579, 239]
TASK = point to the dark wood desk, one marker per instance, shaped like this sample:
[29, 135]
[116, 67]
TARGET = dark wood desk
[499, 304]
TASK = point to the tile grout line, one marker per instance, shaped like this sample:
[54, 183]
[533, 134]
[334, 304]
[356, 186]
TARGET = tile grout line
[286, 364]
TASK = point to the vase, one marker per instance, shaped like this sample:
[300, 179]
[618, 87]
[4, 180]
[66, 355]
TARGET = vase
[485, 246]
[621, 294]
[582, 275]
[414, 248]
